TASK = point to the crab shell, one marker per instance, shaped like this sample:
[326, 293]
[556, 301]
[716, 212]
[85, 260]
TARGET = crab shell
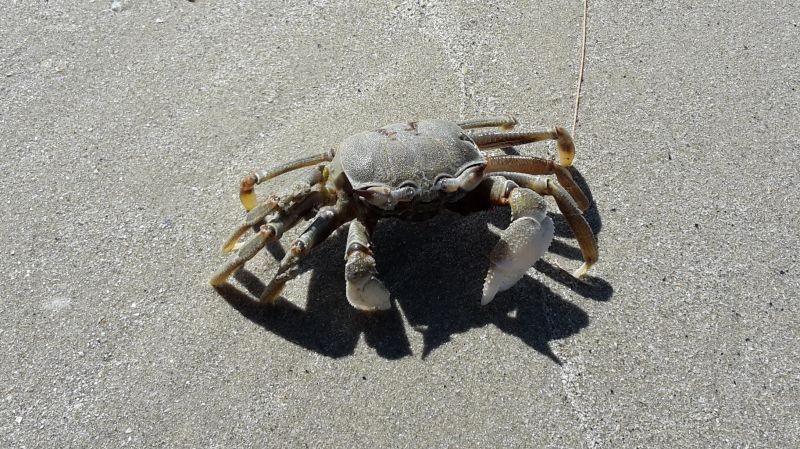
[411, 163]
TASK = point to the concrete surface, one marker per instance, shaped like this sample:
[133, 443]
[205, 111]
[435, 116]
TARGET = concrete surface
[123, 137]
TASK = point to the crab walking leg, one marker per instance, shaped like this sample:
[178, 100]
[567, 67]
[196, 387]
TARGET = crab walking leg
[268, 232]
[247, 251]
[248, 196]
[327, 220]
[504, 122]
[522, 243]
[538, 166]
[364, 290]
[564, 143]
[577, 222]
[256, 215]
[253, 218]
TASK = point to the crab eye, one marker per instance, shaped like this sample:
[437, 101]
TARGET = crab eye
[404, 193]
[408, 189]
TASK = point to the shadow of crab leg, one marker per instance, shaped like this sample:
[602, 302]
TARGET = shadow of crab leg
[364, 290]
[564, 143]
[577, 222]
[504, 122]
[272, 230]
[327, 220]
[275, 204]
[522, 243]
[248, 196]
[538, 166]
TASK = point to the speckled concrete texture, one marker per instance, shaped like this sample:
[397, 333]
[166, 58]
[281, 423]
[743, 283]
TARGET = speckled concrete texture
[124, 134]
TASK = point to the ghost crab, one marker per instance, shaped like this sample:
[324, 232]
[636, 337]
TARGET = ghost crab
[412, 171]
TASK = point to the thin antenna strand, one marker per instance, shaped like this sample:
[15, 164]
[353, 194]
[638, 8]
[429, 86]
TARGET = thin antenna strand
[580, 69]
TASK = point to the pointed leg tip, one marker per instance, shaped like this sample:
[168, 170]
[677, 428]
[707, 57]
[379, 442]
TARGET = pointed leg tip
[232, 243]
[566, 147]
[249, 200]
[582, 273]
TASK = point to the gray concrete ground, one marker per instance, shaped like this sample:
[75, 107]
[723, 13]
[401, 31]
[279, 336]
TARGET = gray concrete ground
[123, 137]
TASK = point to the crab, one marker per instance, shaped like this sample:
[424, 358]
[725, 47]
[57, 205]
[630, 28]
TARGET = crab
[412, 171]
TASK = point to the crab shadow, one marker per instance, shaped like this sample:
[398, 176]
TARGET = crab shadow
[434, 271]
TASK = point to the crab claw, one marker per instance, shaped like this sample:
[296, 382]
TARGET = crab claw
[368, 293]
[521, 244]
[364, 290]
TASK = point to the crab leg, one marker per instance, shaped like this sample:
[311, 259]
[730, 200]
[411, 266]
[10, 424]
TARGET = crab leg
[364, 290]
[248, 183]
[566, 148]
[273, 203]
[522, 243]
[504, 122]
[268, 232]
[577, 222]
[327, 220]
[538, 166]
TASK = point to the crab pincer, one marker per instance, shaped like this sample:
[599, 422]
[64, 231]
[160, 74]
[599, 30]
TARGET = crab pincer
[521, 244]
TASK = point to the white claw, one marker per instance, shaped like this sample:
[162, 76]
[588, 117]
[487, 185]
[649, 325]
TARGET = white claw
[368, 293]
[520, 246]
[494, 229]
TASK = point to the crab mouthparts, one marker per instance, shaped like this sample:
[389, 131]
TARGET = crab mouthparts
[385, 197]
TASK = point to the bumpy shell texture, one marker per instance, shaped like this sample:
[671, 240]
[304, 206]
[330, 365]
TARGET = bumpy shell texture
[416, 152]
